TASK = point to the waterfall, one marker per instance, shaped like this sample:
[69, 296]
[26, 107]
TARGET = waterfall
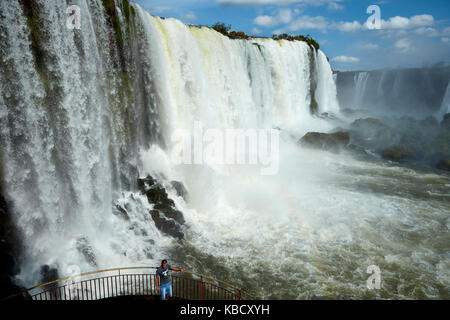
[360, 85]
[445, 107]
[80, 108]
[417, 93]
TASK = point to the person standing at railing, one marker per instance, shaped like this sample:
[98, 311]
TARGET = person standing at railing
[163, 283]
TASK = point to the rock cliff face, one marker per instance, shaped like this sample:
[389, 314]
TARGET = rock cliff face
[167, 218]
[9, 249]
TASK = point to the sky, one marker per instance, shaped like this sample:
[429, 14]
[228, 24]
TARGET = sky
[406, 33]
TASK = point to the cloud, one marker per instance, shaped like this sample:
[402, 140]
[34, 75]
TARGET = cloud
[404, 45]
[399, 24]
[256, 31]
[347, 26]
[424, 20]
[335, 6]
[265, 21]
[427, 31]
[307, 22]
[284, 16]
[345, 59]
[161, 9]
[394, 23]
[275, 2]
[369, 46]
[190, 16]
[445, 40]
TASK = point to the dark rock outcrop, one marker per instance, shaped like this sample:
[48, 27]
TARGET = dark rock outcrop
[167, 218]
[431, 122]
[86, 250]
[121, 212]
[167, 226]
[326, 141]
[444, 165]
[368, 131]
[396, 153]
[404, 139]
[180, 189]
[445, 123]
[9, 250]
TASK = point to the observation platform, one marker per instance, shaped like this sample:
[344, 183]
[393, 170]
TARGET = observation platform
[134, 283]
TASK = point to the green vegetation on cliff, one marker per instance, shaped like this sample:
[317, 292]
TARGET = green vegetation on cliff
[31, 11]
[110, 9]
[225, 30]
[222, 28]
[38, 40]
[308, 39]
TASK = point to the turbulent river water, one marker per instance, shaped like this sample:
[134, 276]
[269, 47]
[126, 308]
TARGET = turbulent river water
[83, 113]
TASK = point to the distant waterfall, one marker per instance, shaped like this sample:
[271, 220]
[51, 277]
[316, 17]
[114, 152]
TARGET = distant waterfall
[361, 84]
[445, 107]
[413, 92]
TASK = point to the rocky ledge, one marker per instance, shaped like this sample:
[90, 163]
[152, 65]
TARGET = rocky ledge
[326, 141]
[167, 218]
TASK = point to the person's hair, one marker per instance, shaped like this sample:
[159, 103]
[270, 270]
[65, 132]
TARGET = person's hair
[164, 261]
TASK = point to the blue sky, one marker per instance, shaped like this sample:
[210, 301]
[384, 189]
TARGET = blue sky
[414, 33]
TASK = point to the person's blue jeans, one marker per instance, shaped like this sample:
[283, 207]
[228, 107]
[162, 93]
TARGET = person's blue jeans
[165, 289]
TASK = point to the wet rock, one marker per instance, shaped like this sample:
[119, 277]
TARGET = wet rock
[369, 125]
[167, 226]
[172, 213]
[158, 195]
[121, 212]
[431, 122]
[372, 134]
[86, 250]
[180, 189]
[9, 251]
[326, 141]
[395, 153]
[167, 218]
[328, 116]
[444, 165]
[445, 123]
[145, 183]
[357, 149]
[148, 254]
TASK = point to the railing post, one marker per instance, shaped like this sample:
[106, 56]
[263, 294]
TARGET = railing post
[201, 288]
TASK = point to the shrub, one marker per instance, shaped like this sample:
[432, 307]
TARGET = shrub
[308, 39]
[222, 28]
[238, 35]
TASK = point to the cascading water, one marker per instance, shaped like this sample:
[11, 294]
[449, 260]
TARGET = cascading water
[68, 143]
[361, 83]
[78, 104]
[417, 93]
[83, 113]
[445, 107]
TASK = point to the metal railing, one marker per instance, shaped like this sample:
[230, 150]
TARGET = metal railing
[135, 281]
